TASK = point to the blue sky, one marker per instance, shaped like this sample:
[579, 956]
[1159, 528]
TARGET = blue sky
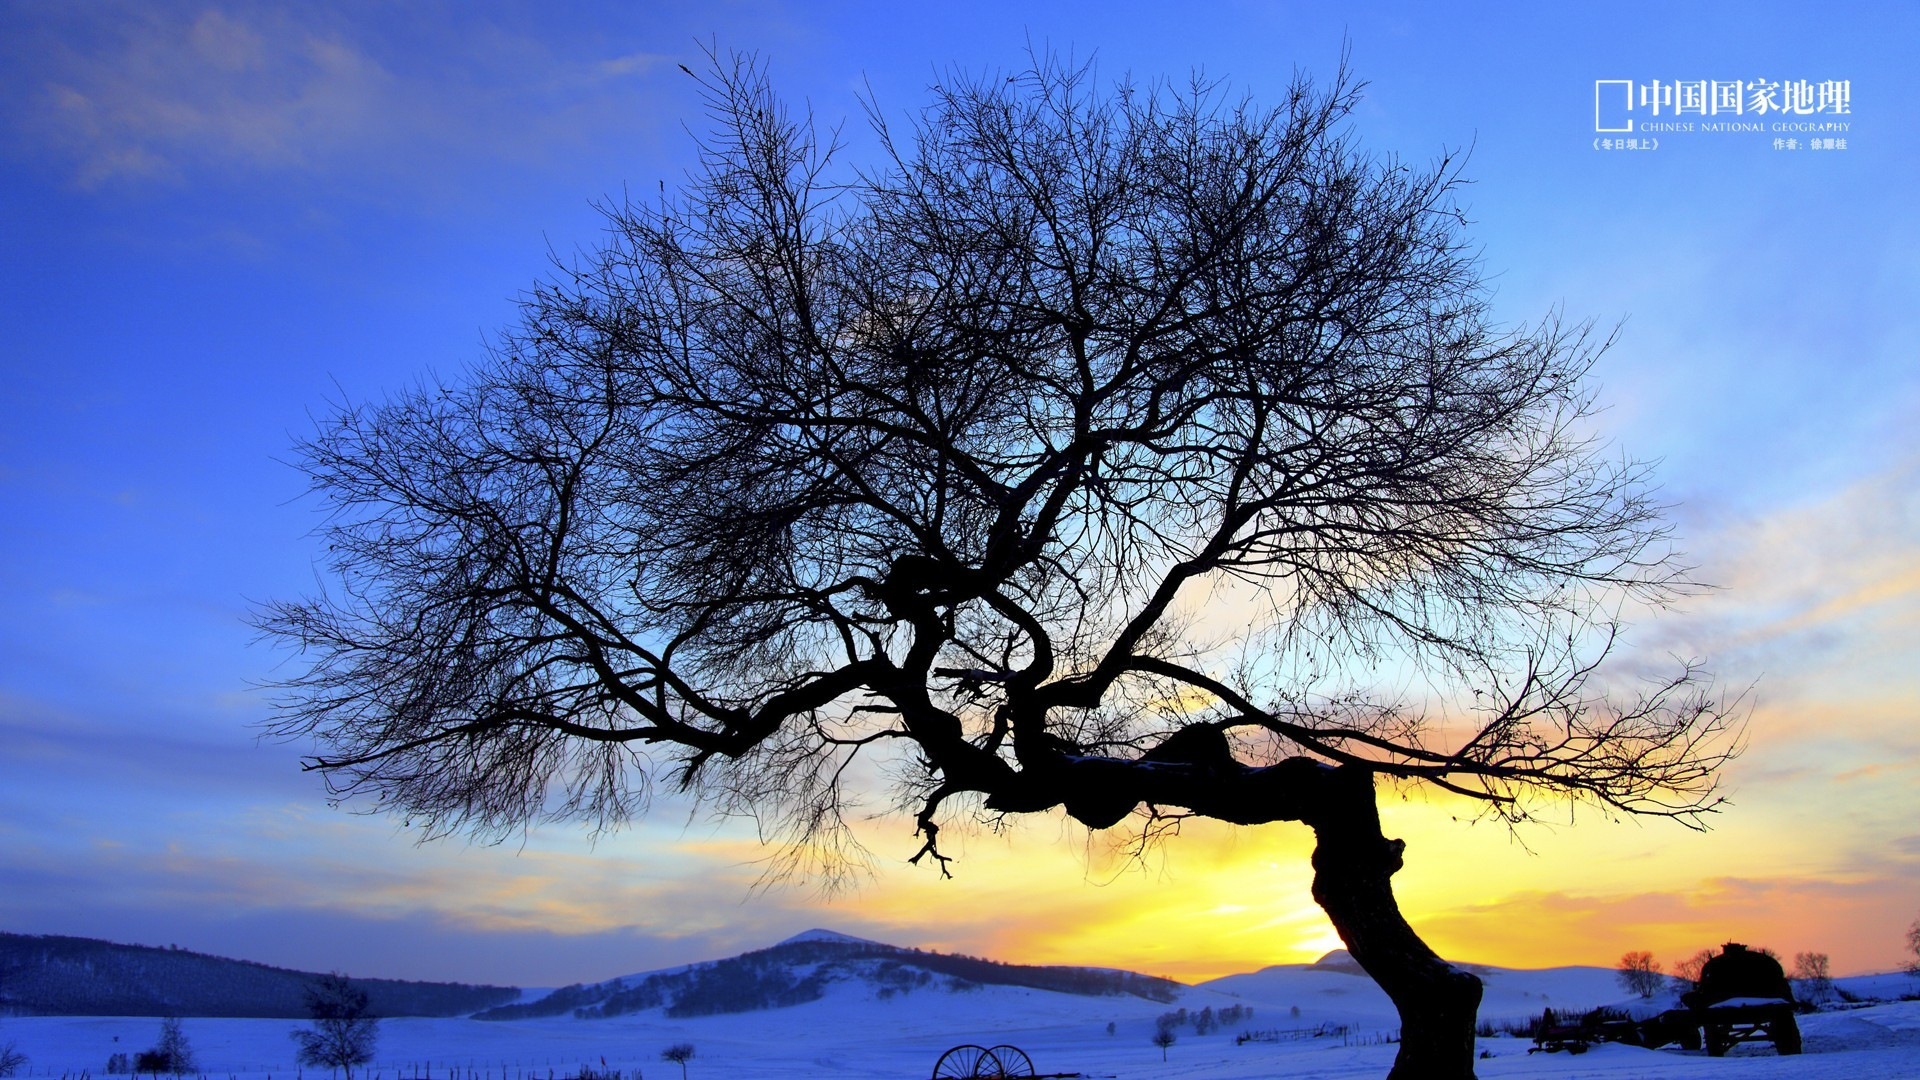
[218, 218]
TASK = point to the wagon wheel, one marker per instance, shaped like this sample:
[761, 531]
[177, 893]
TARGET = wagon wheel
[967, 1062]
[1013, 1060]
[1786, 1035]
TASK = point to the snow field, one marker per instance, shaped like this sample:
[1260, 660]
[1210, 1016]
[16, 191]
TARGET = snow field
[855, 1035]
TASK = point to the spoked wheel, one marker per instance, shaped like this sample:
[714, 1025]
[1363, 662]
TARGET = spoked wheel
[1013, 1060]
[968, 1062]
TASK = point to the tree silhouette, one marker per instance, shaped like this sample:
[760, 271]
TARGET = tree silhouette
[1134, 453]
[1814, 973]
[343, 1033]
[679, 1054]
[1640, 974]
[172, 1054]
[1688, 971]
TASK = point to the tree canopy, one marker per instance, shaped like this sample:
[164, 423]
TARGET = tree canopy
[344, 1032]
[1122, 450]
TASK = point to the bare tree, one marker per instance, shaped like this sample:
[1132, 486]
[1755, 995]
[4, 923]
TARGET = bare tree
[1814, 974]
[1134, 453]
[1687, 972]
[343, 1034]
[1913, 946]
[172, 1054]
[679, 1054]
[1640, 974]
[1164, 1038]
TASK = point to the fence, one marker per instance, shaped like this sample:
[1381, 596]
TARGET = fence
[1277, 1035]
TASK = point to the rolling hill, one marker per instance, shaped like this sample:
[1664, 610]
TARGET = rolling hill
[74, 976]
[802, 969]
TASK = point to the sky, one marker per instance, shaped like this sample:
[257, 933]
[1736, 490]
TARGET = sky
[218, 221]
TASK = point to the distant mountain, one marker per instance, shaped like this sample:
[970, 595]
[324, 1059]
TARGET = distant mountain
[1334, 989]
[802, 968]
[71, 976]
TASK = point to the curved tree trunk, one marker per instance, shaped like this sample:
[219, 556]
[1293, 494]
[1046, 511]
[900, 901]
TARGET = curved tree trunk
[1353, 867]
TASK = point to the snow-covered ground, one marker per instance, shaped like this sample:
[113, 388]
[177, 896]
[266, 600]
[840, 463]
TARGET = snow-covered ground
[855, 1034]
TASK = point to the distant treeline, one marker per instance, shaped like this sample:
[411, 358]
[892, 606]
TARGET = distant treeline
[70, 976]
[796, 972]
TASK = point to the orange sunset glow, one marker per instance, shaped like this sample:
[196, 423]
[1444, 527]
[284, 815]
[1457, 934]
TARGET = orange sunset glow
[219, 222]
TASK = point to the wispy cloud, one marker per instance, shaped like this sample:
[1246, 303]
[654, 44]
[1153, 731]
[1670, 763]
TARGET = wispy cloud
[1845, 564]
[481, 907]
[126, 94]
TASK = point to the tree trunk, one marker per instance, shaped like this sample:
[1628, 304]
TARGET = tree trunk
[1353, 866]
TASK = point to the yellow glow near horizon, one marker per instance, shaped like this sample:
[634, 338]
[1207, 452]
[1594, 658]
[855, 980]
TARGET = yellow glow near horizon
[1218, 900]
[1215, 901]
[1818, 852]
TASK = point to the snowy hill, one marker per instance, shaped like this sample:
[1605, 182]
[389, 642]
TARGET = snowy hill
[863, 1025]
[1334, 989]
[71, 976]
[851, 1033]
[804, 967]
[830, 936]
